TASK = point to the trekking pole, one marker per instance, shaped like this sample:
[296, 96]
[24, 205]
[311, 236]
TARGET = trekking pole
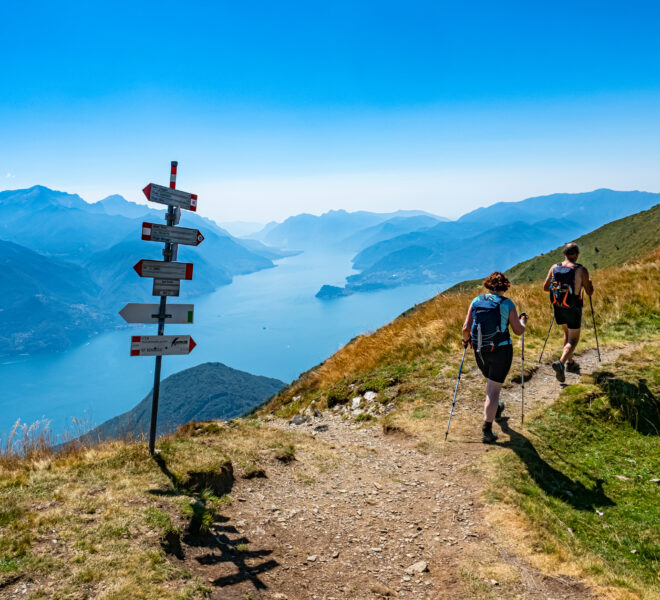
[522, 414]
[522, 375]
[593, 318]
[451, 412]
[546, 337]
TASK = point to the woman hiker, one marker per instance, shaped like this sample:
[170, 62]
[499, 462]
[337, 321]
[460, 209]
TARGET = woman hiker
[486, 328]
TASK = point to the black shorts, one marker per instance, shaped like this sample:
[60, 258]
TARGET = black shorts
[495, 365]
[571, 317]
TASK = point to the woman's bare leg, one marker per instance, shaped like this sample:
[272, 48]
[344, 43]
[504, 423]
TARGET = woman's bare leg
[492, 398]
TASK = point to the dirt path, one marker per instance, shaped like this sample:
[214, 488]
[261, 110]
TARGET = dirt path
[360, 514]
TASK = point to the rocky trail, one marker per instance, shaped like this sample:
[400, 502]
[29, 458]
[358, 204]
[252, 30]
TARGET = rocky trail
[362, 514]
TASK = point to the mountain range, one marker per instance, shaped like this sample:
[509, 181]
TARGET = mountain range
[487, 239]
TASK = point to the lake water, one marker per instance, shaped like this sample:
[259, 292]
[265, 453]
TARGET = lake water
[267, 323]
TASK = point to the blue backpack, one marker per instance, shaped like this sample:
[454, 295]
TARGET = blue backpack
[486, 333]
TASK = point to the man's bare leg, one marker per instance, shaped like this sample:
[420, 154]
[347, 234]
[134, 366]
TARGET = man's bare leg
[571, 339]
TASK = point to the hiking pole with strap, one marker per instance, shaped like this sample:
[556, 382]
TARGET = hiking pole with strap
[593, 318]
[451, 412]
[522, 376]
[552, 322]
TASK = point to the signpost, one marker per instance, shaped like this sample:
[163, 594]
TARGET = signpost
[149, 313]
[153, 232]
[166, 287]
[167, 270]
[170, 196]
[161, 345]
[167, 276]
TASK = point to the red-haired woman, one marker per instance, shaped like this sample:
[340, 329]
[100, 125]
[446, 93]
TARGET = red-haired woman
[486, 328]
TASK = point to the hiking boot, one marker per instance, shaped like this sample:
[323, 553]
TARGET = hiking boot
[487, 435]
[500, 410]
[573, 367]
[559, 371]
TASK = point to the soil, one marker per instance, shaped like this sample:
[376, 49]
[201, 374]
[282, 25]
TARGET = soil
[377, 517]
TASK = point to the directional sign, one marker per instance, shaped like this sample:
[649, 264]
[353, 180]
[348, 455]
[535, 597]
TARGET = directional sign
[163, 269]
[161, 345]
[148, 313]
[171, 197]
[166, 287]
[153, 232]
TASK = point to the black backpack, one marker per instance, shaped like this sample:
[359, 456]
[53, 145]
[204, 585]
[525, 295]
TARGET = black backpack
[486, 333]
[562, 287]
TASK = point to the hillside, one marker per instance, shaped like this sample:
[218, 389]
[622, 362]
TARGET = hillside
[207, 391]
[369, 502]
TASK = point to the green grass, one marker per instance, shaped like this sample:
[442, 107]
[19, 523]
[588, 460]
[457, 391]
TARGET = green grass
[584, 474]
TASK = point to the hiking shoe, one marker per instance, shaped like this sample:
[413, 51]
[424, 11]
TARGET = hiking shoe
[559, 371]
[573, 367]
[487, 435]
[500, 410]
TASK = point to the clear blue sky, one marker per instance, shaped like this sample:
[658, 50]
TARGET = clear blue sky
[274, 108]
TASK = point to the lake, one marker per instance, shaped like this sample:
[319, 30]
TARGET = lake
[267, 323]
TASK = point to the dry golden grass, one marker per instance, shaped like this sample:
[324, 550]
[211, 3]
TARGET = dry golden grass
[627, 305]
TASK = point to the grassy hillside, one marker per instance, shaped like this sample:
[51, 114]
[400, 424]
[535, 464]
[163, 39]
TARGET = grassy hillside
[587, 473]
[424, 342]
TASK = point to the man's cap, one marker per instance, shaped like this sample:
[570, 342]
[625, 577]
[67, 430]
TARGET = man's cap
[571, 249]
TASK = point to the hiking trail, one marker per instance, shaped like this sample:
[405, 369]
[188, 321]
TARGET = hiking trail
[361, 514]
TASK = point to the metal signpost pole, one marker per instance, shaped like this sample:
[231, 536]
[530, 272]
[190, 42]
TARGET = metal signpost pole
[168, 253]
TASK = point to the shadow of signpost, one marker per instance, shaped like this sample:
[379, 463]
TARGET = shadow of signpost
[552, 481]
[220, 548]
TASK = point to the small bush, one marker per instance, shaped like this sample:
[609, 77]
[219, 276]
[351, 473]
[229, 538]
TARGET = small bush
[339, 393]
[285, 453]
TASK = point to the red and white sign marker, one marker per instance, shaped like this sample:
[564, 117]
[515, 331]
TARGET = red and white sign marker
[163, 269]
[170, 196]
[161, 345]
[154, 232]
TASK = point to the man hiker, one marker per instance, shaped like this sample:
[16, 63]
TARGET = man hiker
[486, 328]
[565, 282]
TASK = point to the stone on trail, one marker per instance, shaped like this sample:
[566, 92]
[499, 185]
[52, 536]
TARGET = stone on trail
[312, 558]
[418, 568]
[355, 403]
[381, 590]
[370, 396]
[298, 420]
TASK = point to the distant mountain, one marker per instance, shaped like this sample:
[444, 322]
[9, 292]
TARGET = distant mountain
[329, 230]
[207, 391]
[488, 237]
[389, 229]
[45, 304]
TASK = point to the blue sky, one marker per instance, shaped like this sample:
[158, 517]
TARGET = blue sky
[274, 108]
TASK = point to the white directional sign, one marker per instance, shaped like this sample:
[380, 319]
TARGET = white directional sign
[148, 313]
[153, 232]
[161, 345]
[166, 287]
[163, 269]
[171, 197]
